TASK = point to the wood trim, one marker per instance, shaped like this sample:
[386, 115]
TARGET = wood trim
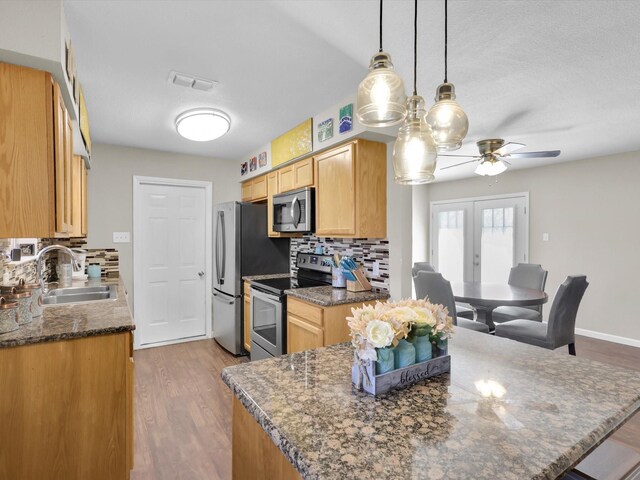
[302, 309]
[254, 455]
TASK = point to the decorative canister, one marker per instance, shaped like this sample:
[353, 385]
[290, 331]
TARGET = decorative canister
[422, 345]
[404, 354]
[441, 347]
[36, 295]
[385, 361]
[8, 322]
[94, 270]
[337, 278]
[23, 299]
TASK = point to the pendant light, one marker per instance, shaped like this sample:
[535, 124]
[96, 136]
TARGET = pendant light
[415, 152]
[381, 99]
[448, 121]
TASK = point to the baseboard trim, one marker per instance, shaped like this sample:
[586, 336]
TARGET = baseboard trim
[171, 342]
[632, 342]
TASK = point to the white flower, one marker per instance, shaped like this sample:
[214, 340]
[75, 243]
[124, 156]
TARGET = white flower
[379, 333]
[425, 316]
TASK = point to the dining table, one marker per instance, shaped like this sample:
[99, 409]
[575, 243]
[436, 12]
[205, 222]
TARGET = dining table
[485, 297]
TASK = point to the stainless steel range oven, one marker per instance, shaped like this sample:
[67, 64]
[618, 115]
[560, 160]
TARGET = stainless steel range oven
[269, 304]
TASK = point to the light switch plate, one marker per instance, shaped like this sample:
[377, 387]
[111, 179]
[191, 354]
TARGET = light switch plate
[545, 237]
[121, 237]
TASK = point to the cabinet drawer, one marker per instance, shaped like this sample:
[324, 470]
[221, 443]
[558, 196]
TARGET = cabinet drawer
[306, 311]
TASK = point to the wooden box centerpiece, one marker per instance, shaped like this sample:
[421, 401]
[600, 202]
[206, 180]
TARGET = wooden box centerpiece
[398, 344]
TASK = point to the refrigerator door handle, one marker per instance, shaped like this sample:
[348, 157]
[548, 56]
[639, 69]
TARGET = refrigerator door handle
[224, 248]
[218, 248]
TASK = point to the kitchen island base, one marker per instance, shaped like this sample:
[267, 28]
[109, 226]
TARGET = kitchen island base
[254, 453]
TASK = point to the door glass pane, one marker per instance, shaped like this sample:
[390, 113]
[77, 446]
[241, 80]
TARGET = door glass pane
[451, 245]
[496, 244]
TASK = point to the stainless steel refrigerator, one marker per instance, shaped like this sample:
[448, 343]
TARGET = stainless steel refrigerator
[241, 247]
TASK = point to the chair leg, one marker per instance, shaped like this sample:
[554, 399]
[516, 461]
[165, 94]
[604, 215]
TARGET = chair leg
[572, 349]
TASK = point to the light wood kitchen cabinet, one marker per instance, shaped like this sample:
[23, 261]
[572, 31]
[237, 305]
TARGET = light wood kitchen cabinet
[84, 220]
[296, 175]
[351, 191]
[255, 190]
[35, 155]
[68, 409]
[78, 197]
[313, 326]
[246, 335]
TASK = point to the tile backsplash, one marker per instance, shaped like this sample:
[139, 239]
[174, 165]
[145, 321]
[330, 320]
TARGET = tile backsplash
[107, 258]
[365, 251]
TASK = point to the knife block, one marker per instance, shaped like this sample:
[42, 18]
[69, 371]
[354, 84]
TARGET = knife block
[361, 284]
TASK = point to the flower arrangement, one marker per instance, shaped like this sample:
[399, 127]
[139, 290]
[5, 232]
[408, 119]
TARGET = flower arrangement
[376, 327]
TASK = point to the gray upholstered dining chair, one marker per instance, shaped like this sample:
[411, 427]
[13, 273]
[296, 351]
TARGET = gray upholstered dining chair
[526, 275]
[463, 311]
[562, 319]
[437, 289]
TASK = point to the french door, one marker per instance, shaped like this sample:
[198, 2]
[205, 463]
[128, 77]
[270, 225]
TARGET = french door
[479, 239]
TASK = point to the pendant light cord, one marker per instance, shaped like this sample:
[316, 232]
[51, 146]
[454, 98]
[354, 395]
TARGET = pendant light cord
[415, 46]
[446, 22]
[380, 26]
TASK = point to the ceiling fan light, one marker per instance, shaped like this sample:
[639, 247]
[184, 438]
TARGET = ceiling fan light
[202, 124]
[447, 119]
[381, 101]
[490, 167]
[415, 153]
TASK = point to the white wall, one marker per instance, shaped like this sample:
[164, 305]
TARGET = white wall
[591, 210]
[111, 191]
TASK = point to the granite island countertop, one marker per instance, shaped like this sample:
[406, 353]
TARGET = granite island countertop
[329, 296]
[75, 320]
[507, 410]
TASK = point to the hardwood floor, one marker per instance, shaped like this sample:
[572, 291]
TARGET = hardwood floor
[182, 413]
[183, 409]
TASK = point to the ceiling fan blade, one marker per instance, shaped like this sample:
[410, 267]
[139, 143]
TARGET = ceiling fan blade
[459, 156]
[458, 164]
[508, 163]
[549, 153]
[508, 148]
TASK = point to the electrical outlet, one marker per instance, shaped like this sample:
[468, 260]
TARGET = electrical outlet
[121, 237]
[545, 237]
[376, 269]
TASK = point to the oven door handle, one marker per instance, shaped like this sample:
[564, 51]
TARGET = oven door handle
[295, 211]
[265, 296]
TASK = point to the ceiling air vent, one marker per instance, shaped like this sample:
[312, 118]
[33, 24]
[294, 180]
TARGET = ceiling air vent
[191, 81]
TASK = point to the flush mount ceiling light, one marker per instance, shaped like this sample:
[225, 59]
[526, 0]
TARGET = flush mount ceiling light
[381, 99]
[415, 153]
[448, 121]
[203, 124]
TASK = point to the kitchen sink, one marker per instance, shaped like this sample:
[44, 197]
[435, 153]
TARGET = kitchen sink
[80, 294]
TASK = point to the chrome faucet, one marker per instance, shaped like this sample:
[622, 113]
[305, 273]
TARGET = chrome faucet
[40, 261]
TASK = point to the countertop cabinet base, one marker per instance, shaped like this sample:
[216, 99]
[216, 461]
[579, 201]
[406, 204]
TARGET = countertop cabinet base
[67, 409]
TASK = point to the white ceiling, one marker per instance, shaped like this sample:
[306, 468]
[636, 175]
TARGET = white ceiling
[553, 74]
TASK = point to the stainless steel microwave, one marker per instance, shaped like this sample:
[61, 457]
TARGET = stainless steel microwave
[294, 211]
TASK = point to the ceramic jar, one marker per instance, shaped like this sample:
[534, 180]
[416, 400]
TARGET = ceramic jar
[8, 316]
[404, 354]
[385, 362]
[23, 299]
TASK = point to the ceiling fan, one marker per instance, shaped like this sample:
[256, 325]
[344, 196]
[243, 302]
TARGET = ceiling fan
[493, 155]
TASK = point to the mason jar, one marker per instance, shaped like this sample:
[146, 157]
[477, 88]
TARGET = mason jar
[23, 299]
[8, 316]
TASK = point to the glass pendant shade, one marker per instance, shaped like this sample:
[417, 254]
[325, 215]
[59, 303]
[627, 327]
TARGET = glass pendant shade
[414, 153]
[490, 167]
[381, 100]
[447, 120]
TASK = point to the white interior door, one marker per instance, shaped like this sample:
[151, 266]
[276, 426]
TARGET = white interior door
[479, 239]
[171, 241]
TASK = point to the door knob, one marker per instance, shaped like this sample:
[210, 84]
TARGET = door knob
[201, 274]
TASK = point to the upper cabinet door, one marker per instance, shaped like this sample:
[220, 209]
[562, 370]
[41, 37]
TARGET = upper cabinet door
[246, 190]
[286, 179]
[259, 188]
[62, 163]
[335, 192]
[26, 153]
[303, 173]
